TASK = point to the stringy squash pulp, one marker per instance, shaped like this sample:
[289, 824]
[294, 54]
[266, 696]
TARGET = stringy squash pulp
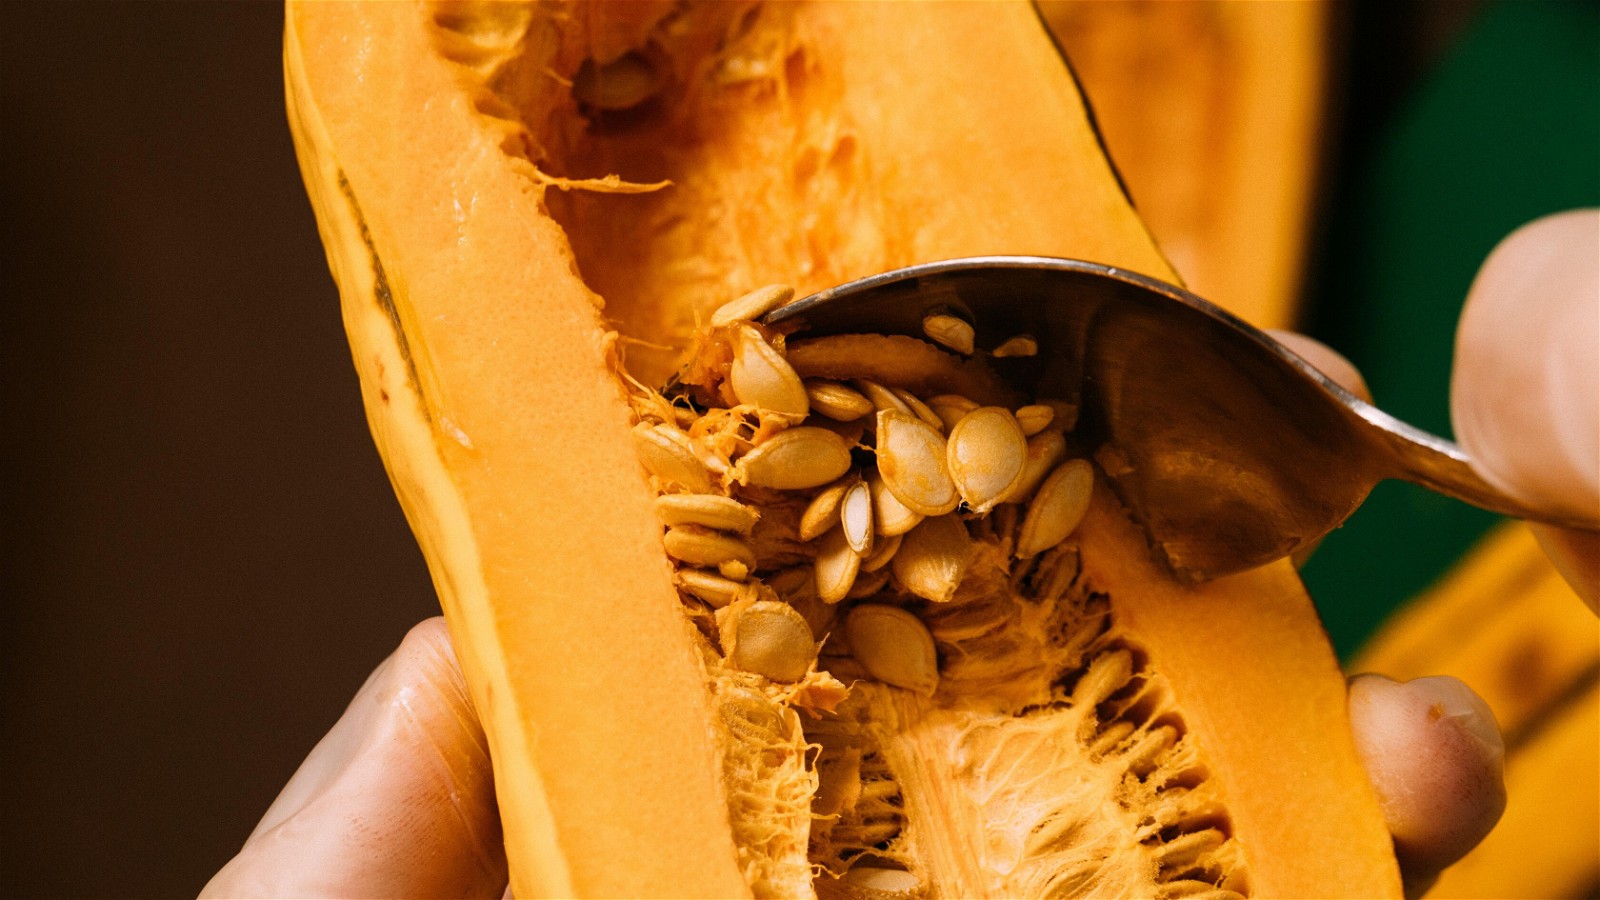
[1075, 721]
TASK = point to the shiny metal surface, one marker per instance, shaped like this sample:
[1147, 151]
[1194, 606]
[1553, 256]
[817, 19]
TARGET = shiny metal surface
[1230, 450]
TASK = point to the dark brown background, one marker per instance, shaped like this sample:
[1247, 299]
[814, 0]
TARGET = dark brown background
[202, 558]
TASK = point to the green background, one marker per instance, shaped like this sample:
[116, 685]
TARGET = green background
[1503, 127]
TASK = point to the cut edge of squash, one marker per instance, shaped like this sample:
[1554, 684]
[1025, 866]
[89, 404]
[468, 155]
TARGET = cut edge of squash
[407, 443]
[1243, 731]
[434, 448]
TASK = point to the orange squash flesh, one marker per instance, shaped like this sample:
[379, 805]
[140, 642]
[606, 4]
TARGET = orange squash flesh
[805, 143]
[1214, 113]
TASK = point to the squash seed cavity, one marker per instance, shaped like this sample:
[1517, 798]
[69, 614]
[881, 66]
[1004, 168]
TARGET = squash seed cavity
[863, 530]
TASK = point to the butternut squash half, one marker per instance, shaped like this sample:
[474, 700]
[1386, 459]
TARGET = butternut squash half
[531, 210]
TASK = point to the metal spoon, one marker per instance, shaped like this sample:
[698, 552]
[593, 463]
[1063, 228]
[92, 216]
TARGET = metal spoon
[1230, 450]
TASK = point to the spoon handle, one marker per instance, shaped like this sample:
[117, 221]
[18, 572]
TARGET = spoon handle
[1443, 467]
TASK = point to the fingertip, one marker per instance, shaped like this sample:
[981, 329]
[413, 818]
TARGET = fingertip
[1525, 391]
[429, 655]
[430, 635]
[1435, 757]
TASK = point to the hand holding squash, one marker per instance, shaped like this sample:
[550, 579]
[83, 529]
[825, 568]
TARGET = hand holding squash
[396, 801]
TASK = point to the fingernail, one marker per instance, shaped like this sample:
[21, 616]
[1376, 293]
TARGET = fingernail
[1450, 698]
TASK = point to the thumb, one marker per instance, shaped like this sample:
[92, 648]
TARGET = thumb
[396, 801]
[1435, 756]
[1525, 393]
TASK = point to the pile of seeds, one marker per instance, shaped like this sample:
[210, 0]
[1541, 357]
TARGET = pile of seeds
[883, 511]
[828, 486]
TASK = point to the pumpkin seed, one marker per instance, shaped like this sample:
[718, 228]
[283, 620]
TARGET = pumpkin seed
[1021, 345]
[753, 305]
[882, 398]
[710, 510]
[894, 646]
[766, 637]
[908, 362]
[890, 516]
[950, 408]
[987, 452]
[880, 881]
[912, 460]
[869, 584]
[1065, 415]
[623, 83]
[883, 549]
[1107, 674]
[821, 617]
[714, 589]
[1142, 753]
[1045, 450]
[795, 459]
[837, 401]
[822, 512]
[748, 715]
[1108, 739]
[1057, 508]
[1034, 418]
[933, 558]
[760, 377]
[795, 585]
[667, 454]
[951, 331]
[849, 432]
[1003, 520]
[855, 517]
[918, 408]
[1185, 850]
[835, 567]
[838, 782]
[702, 547]
[868, 834]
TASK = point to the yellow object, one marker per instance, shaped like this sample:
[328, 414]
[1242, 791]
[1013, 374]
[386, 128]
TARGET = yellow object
[1213, 113]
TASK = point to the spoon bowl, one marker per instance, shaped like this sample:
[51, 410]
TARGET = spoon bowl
[1229, 449]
